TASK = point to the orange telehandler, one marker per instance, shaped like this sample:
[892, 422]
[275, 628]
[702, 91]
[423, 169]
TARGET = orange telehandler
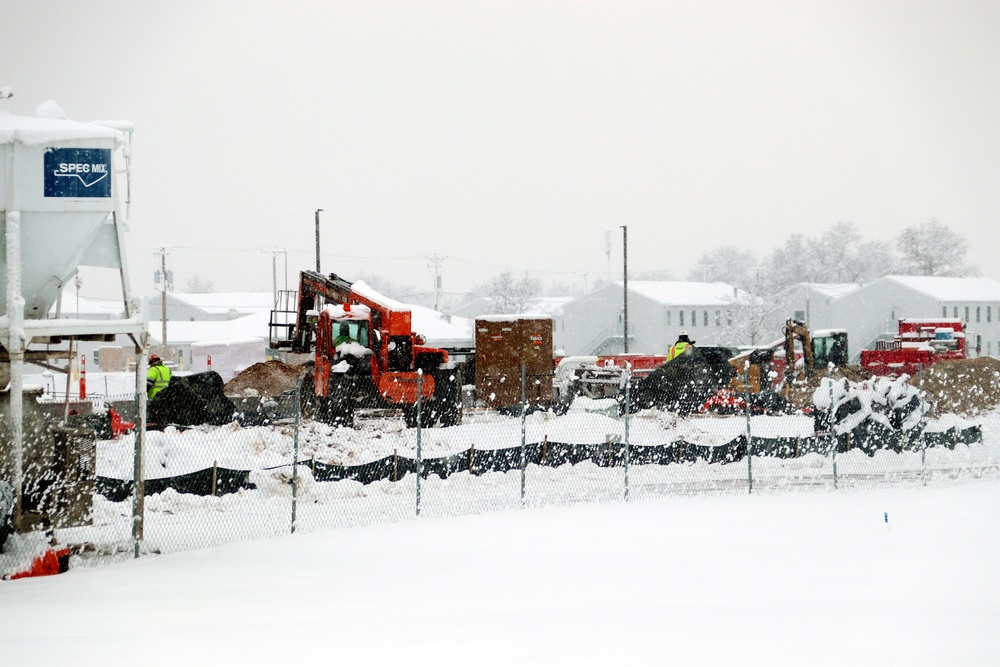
[365, 355]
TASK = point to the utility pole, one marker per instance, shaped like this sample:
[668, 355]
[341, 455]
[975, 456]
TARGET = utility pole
[436, 262]
[625, 281]
[163, 299]
[318, 211]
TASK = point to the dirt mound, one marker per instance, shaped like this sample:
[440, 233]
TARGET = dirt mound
[962, 386]
[269, 378]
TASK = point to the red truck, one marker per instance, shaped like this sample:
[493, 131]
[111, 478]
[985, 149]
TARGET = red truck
[918, 344]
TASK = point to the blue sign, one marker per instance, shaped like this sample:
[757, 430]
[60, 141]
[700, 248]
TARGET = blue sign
[77, 172]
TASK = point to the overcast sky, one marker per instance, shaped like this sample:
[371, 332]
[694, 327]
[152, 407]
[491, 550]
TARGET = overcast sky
[514, 135]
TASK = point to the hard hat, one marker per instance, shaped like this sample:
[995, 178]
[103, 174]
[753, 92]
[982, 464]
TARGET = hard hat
[153, 358]
[684, 332]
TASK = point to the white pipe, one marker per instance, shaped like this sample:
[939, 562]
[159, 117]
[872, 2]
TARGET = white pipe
[15, 346]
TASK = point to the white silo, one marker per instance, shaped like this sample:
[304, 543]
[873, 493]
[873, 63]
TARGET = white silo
[59, 210]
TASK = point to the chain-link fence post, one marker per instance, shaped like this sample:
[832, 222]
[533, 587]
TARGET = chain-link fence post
[420, 419]
[628, 373]
[524, 413]
[295, 448]
[833, 436]
[138, 474]
[746, 395]
[923, 439]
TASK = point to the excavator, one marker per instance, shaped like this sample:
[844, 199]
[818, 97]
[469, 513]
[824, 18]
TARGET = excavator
[365, 354]
[772, 370]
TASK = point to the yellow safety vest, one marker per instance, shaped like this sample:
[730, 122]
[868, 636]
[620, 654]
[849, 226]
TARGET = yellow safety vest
[677, 350]
[160, 375]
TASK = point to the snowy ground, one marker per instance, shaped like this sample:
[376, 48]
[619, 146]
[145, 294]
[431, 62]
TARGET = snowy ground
[782, 579]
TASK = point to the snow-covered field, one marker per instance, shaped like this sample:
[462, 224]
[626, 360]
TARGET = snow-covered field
[778, 579]
[176, 521]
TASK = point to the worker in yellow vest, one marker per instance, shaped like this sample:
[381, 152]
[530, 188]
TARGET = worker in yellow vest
[157, 377]
[680, 347]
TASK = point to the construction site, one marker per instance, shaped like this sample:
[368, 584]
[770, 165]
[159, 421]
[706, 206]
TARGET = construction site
[341, 385]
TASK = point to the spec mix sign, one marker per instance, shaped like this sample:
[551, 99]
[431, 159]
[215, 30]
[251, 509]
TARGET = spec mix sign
[77, 172]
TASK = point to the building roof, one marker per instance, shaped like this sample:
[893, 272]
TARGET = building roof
[240, 328]
[682, 293]
[944, 288]
[90, 308]
[831, 290]
[223, 302]
[437, 328]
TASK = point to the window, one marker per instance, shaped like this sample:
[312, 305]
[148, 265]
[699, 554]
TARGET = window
[729, 318]
[718, 318]
[978, 308]
[967, 314]
[694, 318]
[989, 313]
[668, 318]
[955, 312]
[681, 313]
[705, 318]
[944, 311]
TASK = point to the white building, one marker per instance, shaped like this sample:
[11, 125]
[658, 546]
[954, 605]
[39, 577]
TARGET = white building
[812, 303]
[874, 310]
[206, 307]
[657, 312]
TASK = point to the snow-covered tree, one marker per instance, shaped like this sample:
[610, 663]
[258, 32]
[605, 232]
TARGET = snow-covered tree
[726, 264]
[839, 255]
[931, 248]
[195, 285]
[510, 294]
[755, 317]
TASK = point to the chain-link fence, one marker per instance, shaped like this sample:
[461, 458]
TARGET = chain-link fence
[281, 472]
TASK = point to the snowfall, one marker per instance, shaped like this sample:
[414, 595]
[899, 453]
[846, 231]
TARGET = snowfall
[555, 569]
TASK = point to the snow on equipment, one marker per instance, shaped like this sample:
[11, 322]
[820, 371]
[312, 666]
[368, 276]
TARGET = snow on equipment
[365, 355]
[883, 404]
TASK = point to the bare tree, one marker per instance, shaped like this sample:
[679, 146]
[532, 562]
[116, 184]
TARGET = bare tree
[931, 248]
[510, 294]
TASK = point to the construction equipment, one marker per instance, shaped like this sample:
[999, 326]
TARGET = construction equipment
[769, 366]
[918, 344]
[771, 375]
[684, 383]
[377, 368]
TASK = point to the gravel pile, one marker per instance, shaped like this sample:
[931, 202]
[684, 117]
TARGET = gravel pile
[269, 378]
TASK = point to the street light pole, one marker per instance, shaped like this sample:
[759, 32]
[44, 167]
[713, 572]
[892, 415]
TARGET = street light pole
[625, 280]
[318, 211]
